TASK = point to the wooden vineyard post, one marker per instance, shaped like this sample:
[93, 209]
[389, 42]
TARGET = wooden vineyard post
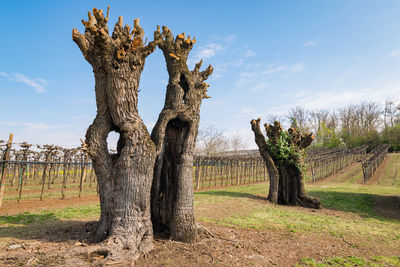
[90, 175]
[23, 171]
[4, 172]
[48, 153]
[197, 172]
[83, 172]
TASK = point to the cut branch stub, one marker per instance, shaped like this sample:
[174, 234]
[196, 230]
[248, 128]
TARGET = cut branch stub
[122, 46]
[179, 48]
[124, 178]
[273, 131]
[174, 135]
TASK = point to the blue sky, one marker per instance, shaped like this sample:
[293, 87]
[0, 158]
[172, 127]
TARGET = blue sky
[268, 56]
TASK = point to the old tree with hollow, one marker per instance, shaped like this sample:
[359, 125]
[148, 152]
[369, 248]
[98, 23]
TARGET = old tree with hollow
[148, 182]
[283, 154]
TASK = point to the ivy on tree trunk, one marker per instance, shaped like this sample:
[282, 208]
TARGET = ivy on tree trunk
[283, 154]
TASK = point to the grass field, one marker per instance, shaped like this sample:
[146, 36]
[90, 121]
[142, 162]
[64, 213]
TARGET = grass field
[358, 226]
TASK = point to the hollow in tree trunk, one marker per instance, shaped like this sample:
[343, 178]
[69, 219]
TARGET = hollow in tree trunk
[283, 154]
[175, 136]
[124, 178]
[165, 158]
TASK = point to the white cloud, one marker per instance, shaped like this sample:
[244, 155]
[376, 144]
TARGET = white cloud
[262, 73]
[311, 43]
[343, 77]
[395, 53]
[208, 50]
[247, 110]
[249, 53]
[335, 99]
[212, 49]
[284, 68]
[258, 87]
[230, 39]
[67, 135]
[38, 83]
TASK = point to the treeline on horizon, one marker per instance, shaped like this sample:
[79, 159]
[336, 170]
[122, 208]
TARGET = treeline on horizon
[366, 123]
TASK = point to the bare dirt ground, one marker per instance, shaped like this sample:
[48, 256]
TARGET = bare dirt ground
[65, 244]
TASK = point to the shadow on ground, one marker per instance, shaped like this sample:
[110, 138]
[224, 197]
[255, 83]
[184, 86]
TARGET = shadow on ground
[365, 205]
[227, 193]
[46, 228]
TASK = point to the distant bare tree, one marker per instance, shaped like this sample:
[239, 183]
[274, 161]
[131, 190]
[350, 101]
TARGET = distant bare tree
[317, 117]
[333, 121]
[236, 143]
[273, 117]
[300, 115]
[391, 114]
[372, 114]
[211, 140]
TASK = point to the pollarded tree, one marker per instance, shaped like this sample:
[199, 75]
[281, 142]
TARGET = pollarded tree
[175, 137]
[125, 178]
[283, 154]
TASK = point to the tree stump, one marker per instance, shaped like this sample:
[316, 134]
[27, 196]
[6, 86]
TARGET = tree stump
[283, 154]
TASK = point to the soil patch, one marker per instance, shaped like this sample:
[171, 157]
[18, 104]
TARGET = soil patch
[228, 247]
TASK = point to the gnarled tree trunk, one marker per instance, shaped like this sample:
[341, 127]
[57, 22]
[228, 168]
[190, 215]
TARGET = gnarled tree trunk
[124, 178]
[283, 156]
[175, 136]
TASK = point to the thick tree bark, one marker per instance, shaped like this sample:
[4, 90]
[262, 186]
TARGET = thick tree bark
[165, 158]
[175, 136]
[269, 162]
[124, 178]
[286, 175]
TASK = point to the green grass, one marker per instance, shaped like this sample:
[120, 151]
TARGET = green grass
[391, 176]
[351, 261]
[26, 218]
[356, 200]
